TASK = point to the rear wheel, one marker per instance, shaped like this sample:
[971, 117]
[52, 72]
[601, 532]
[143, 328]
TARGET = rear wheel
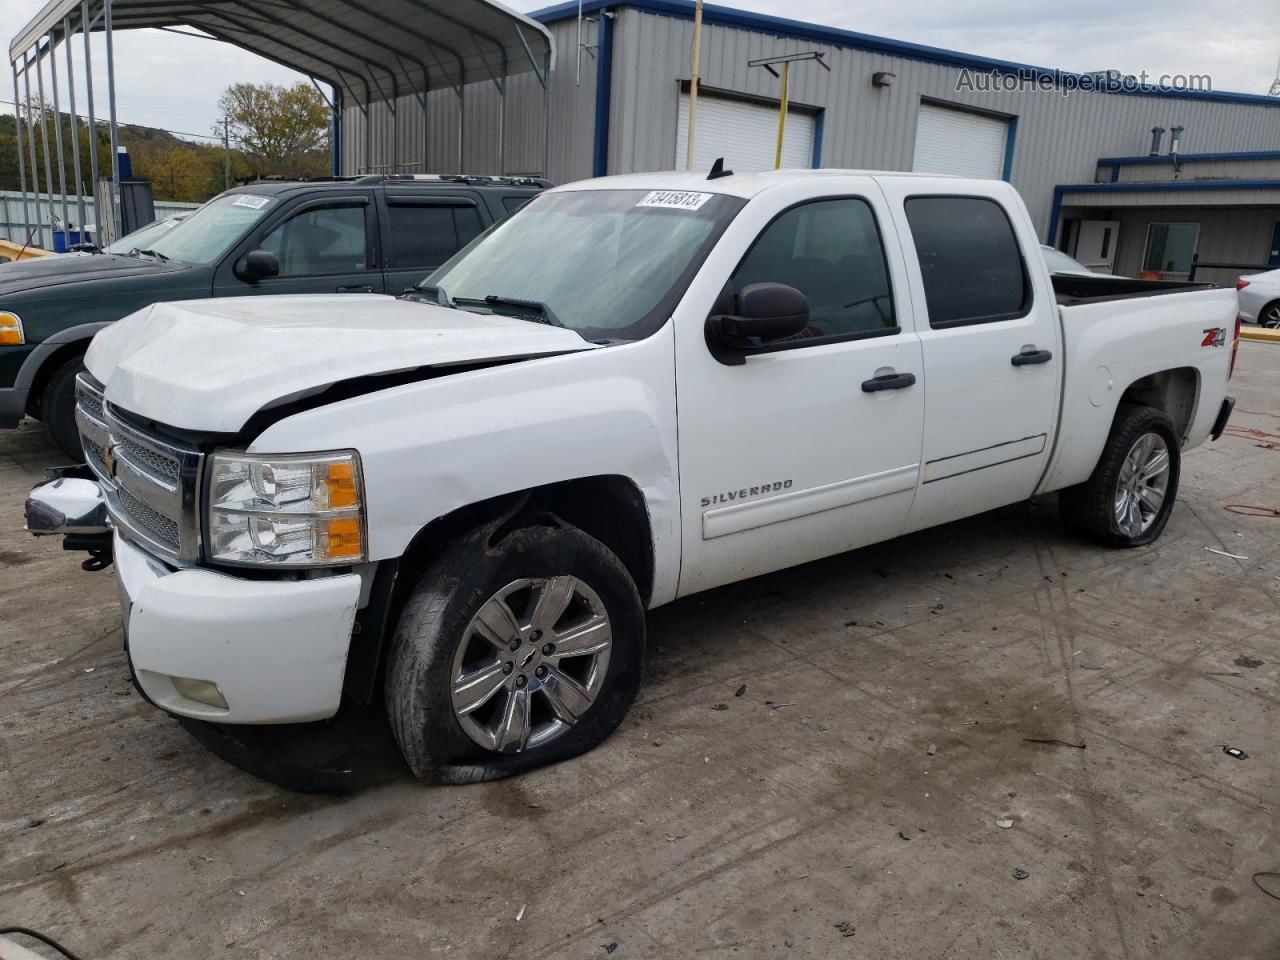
[1127, 500]
[515, 654]
[1269, 316]
[58, 408]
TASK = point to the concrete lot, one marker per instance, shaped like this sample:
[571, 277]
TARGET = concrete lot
[822, 827]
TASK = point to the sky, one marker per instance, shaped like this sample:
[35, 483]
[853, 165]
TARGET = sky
[174, 82]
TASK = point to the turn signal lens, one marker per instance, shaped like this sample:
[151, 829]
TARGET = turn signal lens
[340, 484]
[340, 539]
[11, 330]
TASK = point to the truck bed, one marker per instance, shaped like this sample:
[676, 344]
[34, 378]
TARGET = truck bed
[1073, 289]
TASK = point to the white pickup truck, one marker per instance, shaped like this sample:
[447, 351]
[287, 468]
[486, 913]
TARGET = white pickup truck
[463, 499]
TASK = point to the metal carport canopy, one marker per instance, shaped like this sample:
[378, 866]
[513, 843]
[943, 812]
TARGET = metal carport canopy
[371, 50]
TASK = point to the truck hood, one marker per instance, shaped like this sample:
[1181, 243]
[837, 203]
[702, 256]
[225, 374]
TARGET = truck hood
[210, 365]
[38, 272]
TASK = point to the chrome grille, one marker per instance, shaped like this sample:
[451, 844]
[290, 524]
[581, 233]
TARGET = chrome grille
[151, 484]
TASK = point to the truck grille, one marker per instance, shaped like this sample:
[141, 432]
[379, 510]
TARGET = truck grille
[151, 484]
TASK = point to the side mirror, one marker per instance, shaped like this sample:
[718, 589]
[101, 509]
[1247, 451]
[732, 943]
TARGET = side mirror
[763, 312]
[257, 265]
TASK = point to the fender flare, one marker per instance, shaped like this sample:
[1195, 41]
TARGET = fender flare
[37, 358]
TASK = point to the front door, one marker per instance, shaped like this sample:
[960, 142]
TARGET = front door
[324, 245]
[992, 358]
[1096, 244]
[794, 454]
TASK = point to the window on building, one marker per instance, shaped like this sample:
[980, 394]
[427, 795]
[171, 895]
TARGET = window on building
[1171, 247]
[321, 240]
[831, 252]
[969, 259]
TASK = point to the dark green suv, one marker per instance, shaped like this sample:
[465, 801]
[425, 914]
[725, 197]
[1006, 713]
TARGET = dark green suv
[373, 234]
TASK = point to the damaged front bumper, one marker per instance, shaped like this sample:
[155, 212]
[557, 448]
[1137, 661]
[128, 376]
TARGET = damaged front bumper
[70, 504]
[206, 644]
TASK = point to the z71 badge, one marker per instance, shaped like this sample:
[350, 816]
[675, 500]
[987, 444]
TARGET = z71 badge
[1214, 337]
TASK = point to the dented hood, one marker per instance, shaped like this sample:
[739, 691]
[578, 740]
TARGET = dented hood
[212, 364]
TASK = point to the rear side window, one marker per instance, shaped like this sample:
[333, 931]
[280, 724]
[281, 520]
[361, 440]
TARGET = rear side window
[514, 203]
[426, 235]
[829, 250]
[969, 259]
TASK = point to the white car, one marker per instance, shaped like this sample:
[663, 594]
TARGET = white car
[1259, 296]
[1059, 262]
[631, 390]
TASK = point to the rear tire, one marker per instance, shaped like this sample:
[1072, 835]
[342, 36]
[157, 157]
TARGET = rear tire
[1127, 500]
[1269, 316]
[58, 409]
[443, 640]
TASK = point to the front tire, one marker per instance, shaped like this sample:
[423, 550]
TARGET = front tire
[515, 654]
[58, 409]
[1269, 316]
[1127, 500]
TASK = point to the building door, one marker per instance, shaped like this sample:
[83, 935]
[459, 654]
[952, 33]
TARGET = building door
[1096, 242]
[959, 142]
[744, 133]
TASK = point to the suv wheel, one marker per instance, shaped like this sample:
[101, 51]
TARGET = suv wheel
[1128, 499]
[511, 655]
[58, 409]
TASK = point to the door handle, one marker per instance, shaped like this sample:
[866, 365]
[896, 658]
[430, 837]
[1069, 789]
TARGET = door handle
[888, 381]
[1031, 356]
[356, 288]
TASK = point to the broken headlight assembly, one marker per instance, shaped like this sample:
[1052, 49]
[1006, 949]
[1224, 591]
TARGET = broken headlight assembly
[286, 510]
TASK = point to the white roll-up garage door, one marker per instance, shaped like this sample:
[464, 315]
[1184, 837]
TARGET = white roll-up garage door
[959, 142]
[745, 134]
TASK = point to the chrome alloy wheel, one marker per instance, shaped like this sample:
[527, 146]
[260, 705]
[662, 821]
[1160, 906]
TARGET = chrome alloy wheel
[1271, 316]
[1143, 483]
[532, 661]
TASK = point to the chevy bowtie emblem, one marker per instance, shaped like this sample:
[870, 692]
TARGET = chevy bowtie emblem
[109, 461]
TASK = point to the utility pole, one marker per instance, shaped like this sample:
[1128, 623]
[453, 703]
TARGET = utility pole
[695, 59]
[227, 152]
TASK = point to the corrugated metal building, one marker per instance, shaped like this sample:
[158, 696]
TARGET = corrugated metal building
[618, 104]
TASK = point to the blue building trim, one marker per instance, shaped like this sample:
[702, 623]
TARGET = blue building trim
[1168, 159]
[819, 121]
[604, 91]
[1010, 139]
[1163, 186]
[784, 27]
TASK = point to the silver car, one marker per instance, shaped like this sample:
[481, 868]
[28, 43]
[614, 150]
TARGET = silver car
[1259, 296]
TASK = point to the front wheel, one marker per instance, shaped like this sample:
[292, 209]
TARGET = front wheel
[1269, 316]
[514, 654]
[58, 409]
[1127, 500]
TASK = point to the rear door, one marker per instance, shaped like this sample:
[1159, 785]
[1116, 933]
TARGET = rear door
[325, 243]
[798, 452]
[423, 230]
[988, 325]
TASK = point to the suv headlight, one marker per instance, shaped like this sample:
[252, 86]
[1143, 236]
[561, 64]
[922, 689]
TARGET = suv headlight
[299, 510]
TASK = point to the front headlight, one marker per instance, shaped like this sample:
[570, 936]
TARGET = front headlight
[300, 510]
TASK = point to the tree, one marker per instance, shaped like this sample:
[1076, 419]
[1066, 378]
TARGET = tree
[284, 131]
[176, 173]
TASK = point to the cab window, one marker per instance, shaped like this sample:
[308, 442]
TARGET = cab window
[320, 240]
[831, 251]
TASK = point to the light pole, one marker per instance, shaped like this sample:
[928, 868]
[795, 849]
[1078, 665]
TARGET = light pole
[769, 63]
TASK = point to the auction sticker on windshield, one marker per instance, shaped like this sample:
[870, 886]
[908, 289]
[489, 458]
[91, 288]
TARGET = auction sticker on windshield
[675, 199]
[250, 201]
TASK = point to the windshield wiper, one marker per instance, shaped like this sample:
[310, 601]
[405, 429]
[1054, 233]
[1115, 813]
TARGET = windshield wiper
[495, 300]
[431, 292]
[135, 252]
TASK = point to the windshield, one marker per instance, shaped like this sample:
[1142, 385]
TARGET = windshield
[1059, 262]
[606, 263]
[205, 235]
[143, 237]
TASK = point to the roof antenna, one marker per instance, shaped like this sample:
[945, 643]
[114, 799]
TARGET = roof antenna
[718, 170]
